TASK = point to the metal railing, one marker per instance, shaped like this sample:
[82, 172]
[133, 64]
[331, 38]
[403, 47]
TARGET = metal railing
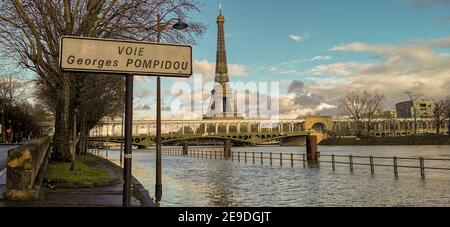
[288, 159]
[299, 159]
[383, 161]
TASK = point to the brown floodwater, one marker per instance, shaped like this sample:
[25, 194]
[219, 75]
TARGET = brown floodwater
[196, 182]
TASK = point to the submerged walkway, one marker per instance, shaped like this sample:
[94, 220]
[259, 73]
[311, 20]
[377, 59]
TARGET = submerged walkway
[106, 194]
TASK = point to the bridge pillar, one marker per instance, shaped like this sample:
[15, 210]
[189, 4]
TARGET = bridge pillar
[239, 128]
[311, 151]
[217, 128]
[185, 149]
[206, 127]
[227, 149]
[249, 127]
[137, 130]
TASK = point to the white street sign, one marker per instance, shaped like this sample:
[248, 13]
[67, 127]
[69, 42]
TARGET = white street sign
[125, 57]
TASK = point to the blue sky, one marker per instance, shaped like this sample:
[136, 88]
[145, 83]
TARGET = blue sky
[321, 49]
[330, 47]
[259, 29]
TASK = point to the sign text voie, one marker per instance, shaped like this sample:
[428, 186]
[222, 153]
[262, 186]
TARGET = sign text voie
[117, 56]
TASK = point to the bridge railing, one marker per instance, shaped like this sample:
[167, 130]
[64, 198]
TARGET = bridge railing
[421, 164]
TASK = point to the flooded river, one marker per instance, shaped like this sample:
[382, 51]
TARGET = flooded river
[205, 182]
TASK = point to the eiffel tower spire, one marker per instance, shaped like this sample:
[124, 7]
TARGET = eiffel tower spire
[221, 57]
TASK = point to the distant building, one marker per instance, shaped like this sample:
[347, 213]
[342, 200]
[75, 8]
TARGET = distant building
[424, 109]
[389, 114]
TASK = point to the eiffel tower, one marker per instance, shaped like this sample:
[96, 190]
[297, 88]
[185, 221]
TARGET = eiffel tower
[223, 103]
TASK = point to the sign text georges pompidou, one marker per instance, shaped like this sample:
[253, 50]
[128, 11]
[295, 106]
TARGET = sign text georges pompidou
[125, 57]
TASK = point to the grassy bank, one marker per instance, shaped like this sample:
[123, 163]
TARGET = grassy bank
[90, 171]
[380, 141]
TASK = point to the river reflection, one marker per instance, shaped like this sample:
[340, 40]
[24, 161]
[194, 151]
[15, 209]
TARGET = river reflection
[205, 182]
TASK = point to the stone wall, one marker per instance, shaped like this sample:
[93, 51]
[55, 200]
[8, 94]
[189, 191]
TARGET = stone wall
[26, 168]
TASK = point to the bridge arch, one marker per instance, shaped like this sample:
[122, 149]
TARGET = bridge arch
[321, 123]
[319, 127]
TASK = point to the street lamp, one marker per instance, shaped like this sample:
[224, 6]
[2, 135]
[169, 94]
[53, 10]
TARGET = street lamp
[10, 127]
[414, 98]
[158, 185]
[3, 129]
[180, 25]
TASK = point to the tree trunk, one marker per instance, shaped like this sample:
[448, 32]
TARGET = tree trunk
[61, 141]
[359, 127]
[82, 142]
[86, 141]
[448, 124]
[437, 124]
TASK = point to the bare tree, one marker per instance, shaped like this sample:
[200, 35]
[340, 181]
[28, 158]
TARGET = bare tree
[439, 114]
[374, 106]
[12, 82]
[30, 31]
[360, 106]
[448, 114]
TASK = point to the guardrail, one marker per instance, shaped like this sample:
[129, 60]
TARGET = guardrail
[26, 168]
[300, 159]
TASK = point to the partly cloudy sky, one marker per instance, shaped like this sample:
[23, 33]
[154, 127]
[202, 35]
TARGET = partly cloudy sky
[318, 50]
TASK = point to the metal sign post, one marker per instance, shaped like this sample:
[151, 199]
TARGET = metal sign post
[128, 141]
[129, 58]
[158, 183]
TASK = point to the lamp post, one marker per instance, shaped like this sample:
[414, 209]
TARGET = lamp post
[10, 127]
[159, 29]
[414, 98]
[3, 129]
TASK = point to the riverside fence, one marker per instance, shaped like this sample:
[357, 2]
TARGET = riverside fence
[373, 163]
[421, 164]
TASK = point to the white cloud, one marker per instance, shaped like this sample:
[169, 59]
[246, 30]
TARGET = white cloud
[208, 68]
[143, 94]
[321, 58]
[343, 69]
[299, 38]
[414, 66]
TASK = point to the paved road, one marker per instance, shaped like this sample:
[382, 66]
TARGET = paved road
[3, 159]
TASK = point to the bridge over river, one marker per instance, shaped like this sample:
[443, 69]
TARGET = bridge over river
[242, 132]
[236, 138]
